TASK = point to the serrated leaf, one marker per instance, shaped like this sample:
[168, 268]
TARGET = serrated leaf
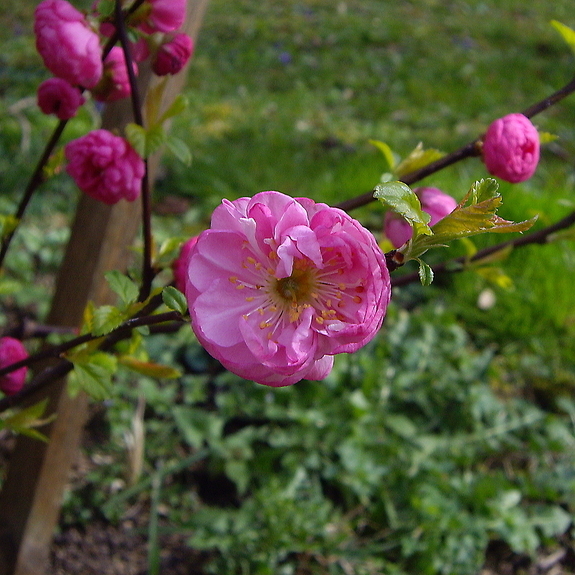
[418, 158]
[123, 286]
[149, 368]
[179, 104]
[106, 319]
[88, 318]
[480, 191]
[386, 151]
[425, 273]
[175, 300]
[402, 200]
[180, 149]
[568, 34]
[136, 135]
[94, 376]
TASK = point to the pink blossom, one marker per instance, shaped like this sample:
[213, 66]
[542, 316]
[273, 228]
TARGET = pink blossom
[511, 148]
[115, 82]
[11, 351]
[57, 96]
[69, 47]
[277, 286]
[172, 56]
[105, 166]
[180, 265]
[436, 203]
[162, 15]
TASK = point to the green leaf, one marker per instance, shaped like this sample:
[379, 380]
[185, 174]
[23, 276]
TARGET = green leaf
[107, 318]
[482, 190]
[123, 286]
[179, 104]
[155, 139]
[546, 137]
[136, 135]
[401, 199]
[175, 300]
[93, 374]
[425, 273]
[149, 368]
[417, 159]
[24, 421]
[153, 102]
[180, 149]
[386, 151]
[568, 34]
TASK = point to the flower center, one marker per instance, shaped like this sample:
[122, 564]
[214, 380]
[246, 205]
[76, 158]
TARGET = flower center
[296, 288]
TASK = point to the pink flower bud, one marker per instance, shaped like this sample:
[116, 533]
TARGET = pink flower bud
[69, 47]
[433, 201]
[277, 286]
[115, 83]
[57, 96]
[105, 166]
[180, 265]
[511, 148]
[11, 351]
[163, 15]
[172, 56]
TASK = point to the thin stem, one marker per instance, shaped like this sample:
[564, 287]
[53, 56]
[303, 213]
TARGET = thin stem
[466, 151]
[121, 332]
[458, 264]
[147, 270]
[64, 366]
[36, 179]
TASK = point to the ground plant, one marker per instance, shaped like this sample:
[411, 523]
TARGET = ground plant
[379, 374]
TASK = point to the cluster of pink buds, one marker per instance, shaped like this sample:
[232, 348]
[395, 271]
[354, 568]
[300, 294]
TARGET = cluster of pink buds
[71, 44]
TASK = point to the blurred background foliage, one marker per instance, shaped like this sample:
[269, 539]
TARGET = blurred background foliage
[454, 428]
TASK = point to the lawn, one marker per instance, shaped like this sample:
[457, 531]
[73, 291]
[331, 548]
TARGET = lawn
[443, 447]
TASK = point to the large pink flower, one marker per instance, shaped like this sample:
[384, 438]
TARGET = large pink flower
[436, 203]
[172, 56]
[57, 96]
[181, 263]
[11, 351]
[115, 82]
[511, 148]
[105, 166]
[69, 47]
[279, 285]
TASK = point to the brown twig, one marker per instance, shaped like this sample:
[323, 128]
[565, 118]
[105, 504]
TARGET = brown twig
[466, 151]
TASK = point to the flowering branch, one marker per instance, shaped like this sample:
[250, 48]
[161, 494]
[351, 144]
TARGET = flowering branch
[541, 236]
[63, 367]
[147, 271]
[468, 150]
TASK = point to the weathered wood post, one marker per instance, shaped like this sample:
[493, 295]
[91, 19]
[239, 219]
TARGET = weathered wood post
[38, 473]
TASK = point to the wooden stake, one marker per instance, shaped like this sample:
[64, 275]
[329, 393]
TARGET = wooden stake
[38, 474]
